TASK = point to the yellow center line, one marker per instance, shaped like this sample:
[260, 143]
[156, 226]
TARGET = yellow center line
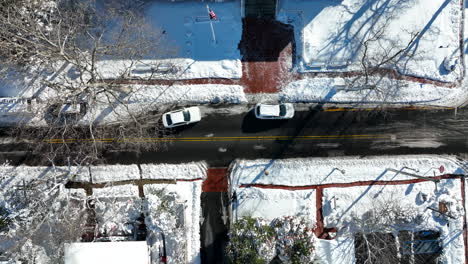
[207, 139]
[343, 109]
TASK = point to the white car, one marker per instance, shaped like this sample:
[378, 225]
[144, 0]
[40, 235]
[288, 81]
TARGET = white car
[181, 117]
[279, 111]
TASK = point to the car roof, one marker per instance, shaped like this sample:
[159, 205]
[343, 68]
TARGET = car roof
[177, 117]
[269, 110]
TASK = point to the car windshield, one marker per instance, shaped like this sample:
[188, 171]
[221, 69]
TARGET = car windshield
[168, 120]
[282, 110]
[186, 116]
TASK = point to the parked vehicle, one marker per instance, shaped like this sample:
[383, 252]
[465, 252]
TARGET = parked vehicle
[181, 117]
[278, 111]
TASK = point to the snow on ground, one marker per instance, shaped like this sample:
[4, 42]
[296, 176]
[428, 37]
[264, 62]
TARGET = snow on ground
[144, 98]
[333, 90]
[331, 33]
[270, 203]
[343, 206]
[102, 174]
[339, 250]
[174, 209]
[186, 26]
[187, 171]
[315, 171]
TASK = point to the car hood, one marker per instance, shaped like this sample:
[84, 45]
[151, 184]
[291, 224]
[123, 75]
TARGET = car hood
[194, 114]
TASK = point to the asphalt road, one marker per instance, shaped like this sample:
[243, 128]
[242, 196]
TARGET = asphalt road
[220, 138]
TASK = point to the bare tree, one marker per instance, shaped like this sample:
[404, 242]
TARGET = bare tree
[380, 56]
[43, 215]
[377, 232]
[99, 43]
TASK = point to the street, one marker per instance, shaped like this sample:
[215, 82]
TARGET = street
[221, 137]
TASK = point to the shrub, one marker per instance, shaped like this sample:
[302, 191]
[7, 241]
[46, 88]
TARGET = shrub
[253, 240]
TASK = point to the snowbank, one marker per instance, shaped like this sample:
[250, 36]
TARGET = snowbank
[188, 171]
[200, 93]
[333, 90]
[177, 69]
[102, 174]
[315, 171]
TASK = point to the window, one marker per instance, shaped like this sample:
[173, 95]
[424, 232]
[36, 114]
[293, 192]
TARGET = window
[186, 116]
[282, 110]
[168, 119]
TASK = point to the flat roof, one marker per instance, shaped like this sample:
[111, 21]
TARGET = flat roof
[135, 252]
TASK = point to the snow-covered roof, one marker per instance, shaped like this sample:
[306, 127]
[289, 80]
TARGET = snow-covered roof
[127, 190]
[135, 252]
[298, 172]
[187, 171]
[269, 110]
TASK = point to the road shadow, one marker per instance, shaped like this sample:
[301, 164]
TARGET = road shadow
[251, 124]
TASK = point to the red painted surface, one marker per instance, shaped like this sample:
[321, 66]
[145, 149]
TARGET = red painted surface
[189, 180]
[216, 180]
[464, 219]
[318, 215]
[344, 185]
[266, 48]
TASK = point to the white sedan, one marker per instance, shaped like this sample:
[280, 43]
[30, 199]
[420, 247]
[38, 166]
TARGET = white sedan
[279, 111]
[181, 117]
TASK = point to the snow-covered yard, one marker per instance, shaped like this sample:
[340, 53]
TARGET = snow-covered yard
[187, 28]
[330, 34]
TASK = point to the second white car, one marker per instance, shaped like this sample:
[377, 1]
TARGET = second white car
[181, 117]
[277, 111]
